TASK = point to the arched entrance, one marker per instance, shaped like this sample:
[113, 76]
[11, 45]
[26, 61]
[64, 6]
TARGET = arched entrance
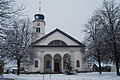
[48, 63]
[66, 59]
[57, 63]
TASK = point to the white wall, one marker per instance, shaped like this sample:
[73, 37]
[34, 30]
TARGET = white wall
[74, 52]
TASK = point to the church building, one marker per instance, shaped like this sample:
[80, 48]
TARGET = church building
[54, 49]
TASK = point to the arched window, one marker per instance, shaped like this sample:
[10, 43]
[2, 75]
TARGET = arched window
[66, 59]
[47, 62]
[36, 63]
[78, 63]
[57, 43]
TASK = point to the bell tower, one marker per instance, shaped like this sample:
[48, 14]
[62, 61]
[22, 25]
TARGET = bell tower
[38, 29]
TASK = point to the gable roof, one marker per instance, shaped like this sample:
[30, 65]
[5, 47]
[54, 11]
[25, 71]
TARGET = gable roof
[58, 30]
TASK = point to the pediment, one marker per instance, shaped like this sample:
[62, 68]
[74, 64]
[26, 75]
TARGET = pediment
[57, 34]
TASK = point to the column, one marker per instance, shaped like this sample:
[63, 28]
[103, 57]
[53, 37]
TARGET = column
[72, 59]
[42, 61]
[52, 64]
[61, 64]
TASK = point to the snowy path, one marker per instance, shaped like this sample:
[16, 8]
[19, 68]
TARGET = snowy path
[80, 76]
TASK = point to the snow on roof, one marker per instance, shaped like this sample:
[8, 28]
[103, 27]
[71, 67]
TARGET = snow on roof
[10, 64]
[14, 68]
[103, 64]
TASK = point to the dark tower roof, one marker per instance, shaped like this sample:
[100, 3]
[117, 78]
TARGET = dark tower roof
[39, 17]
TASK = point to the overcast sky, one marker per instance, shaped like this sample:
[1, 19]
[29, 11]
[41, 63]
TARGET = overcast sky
[67, 15]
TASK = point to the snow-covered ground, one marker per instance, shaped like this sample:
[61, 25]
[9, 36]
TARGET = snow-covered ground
[79, 76]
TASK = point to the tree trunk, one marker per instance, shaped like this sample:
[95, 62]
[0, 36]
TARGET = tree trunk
[117, 68]
[99, 63]
[116, 59]
[18, 66]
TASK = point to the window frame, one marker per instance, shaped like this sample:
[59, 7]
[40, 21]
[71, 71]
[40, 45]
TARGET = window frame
[57, 43]
[38, 29]
[77, 63]
[36, 63]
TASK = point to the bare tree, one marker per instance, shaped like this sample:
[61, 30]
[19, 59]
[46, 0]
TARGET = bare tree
[8, 10]
[17, 42]
[109, 19]
[94, 39]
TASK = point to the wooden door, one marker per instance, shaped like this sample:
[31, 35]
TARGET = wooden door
[57, 67]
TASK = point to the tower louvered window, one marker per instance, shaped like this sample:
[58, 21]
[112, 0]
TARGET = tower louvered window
[37, 29]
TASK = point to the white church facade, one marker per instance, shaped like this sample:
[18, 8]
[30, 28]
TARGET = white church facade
[52, 50]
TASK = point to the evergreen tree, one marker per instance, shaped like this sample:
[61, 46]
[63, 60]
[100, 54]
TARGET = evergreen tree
[68, 68]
